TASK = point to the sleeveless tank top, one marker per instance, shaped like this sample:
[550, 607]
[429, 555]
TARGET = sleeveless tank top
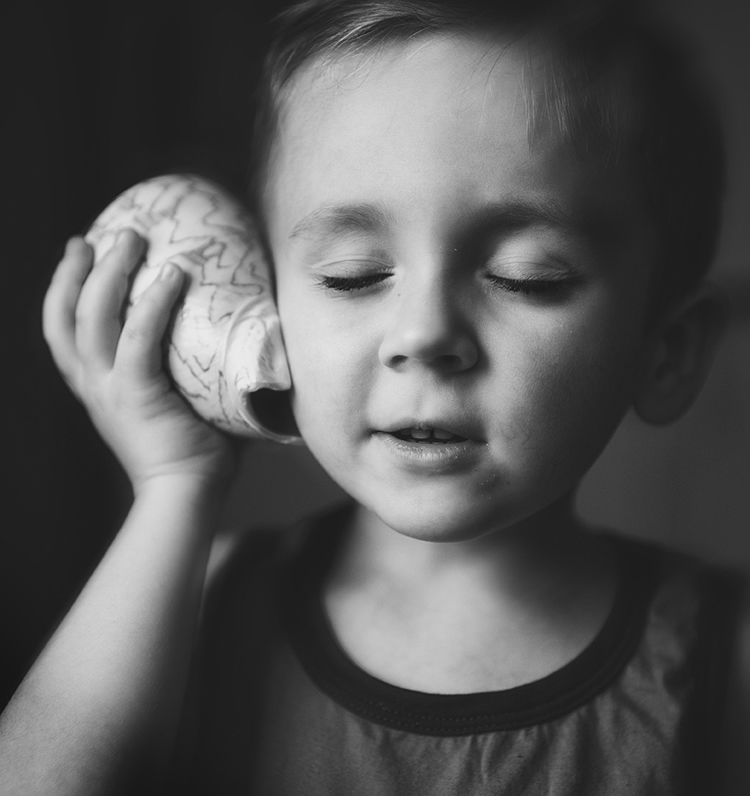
[280, 710]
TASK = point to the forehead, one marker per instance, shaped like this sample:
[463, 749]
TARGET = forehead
[404, 108]
[437, 124]
[400, 87]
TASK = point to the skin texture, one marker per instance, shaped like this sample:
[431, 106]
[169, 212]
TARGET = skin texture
[413, 171]
[116, 370]
[98, 712]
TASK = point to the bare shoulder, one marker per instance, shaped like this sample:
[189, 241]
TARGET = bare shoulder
[736, 729]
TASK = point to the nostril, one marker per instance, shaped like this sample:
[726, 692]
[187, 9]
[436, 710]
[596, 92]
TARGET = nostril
[397, 361]
[436, 339]
[444, 362]
[455, 362]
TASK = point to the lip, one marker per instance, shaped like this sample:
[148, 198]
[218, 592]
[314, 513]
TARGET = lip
[436, 458]
[457, 427]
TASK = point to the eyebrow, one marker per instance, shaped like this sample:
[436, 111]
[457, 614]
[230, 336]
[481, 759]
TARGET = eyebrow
[503, 217]
[513, 215]
[330, 220]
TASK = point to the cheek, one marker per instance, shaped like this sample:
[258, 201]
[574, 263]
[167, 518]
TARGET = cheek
[589, 390]
[570, 382]
[326, 364]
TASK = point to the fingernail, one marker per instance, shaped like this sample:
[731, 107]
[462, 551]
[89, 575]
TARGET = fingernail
[122, 233]
[169, 271]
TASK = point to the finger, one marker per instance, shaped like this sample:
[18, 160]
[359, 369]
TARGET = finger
[139, 351]
[103, 298]
[58, 309]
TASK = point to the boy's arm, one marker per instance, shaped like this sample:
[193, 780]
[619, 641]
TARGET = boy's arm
[736, 731]
[99, 710]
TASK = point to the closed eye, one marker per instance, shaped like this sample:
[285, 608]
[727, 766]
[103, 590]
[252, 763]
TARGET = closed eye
[531, 286]
[349, 284]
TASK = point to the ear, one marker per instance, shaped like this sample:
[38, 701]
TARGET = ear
[680, 351]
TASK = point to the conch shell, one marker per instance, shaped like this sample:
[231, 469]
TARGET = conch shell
[225, 343]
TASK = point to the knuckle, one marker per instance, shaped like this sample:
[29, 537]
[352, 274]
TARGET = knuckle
[129, 237]
[78, 247]
[78, 254]
[73, 381]
[136, 334]
[73, 385]
[48, 322]
[49, 303]
[148, 308]
[127, 246]
[80, 315]
[49, 337]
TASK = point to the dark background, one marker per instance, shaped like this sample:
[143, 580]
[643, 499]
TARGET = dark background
[99, 97]
[102, 96]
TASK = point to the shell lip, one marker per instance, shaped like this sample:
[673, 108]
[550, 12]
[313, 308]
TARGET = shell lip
[254, 359]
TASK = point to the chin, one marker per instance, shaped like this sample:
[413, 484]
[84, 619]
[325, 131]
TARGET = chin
[435, 523]
[451, 517]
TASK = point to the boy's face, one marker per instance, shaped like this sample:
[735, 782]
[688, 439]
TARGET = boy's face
[437, 271]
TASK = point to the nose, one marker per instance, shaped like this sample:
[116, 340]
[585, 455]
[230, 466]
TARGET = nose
[427, 327]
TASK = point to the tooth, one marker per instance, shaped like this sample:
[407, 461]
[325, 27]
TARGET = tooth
[420, 433]
[441, 433]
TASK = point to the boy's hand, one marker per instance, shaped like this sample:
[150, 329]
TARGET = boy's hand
[115, 367]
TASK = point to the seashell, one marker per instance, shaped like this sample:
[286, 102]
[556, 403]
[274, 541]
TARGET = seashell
[225, 342]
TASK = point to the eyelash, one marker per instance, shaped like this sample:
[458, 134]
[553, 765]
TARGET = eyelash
[527, 287]
[348, 284]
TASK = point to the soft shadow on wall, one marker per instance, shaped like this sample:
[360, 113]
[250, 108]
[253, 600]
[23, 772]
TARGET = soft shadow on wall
[689, 484]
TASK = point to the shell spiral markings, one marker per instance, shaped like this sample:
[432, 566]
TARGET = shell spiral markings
[225, 342]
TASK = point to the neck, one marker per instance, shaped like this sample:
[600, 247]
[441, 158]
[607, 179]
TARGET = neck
[549, 545]
[497, 611]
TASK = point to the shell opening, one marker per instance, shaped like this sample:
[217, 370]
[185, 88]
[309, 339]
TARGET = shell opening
[272, 409]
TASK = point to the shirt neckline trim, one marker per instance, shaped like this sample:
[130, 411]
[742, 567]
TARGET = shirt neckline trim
[543, 700]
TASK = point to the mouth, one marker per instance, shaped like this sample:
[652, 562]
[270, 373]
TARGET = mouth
[428, 448]
[427, 436]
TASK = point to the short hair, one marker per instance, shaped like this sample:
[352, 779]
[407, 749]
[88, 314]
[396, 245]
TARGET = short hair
[612, 81]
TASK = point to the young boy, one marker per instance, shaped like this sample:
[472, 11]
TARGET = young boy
[489, 229]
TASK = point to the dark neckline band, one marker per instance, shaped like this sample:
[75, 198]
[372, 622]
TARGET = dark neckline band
[544, 700]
